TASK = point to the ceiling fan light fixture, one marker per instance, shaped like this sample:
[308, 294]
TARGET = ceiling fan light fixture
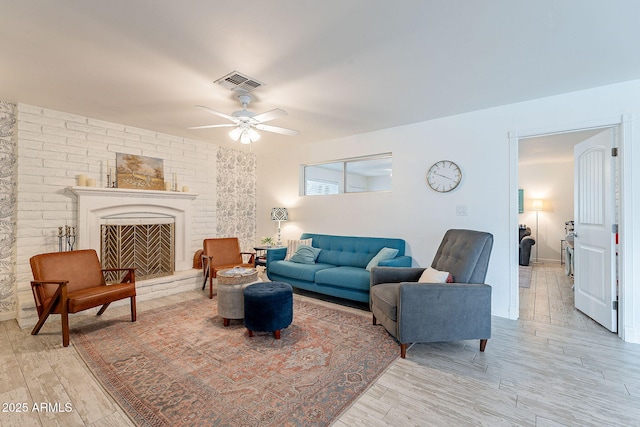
[235, 133]
[245, 138]
[253, 135]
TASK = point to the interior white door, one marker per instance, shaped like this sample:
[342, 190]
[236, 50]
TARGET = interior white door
[594, 255]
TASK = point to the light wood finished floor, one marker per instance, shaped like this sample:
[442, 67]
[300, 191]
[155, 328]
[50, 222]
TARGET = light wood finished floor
[552, 367]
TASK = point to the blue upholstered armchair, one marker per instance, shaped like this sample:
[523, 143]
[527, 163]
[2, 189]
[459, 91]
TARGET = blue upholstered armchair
[436, 312]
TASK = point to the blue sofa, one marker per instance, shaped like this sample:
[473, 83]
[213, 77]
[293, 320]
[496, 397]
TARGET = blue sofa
[340, 269]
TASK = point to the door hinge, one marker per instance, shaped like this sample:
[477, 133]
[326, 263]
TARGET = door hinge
[614, 228]
[615, 305]
[614, 152]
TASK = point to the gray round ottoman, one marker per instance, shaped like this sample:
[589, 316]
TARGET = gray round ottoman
[268, 307]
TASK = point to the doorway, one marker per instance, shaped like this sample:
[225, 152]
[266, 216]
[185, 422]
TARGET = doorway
[548, 156]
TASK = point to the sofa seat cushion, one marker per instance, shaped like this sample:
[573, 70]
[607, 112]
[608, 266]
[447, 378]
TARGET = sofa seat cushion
[293, 270]
[385, 298]
[345, 277]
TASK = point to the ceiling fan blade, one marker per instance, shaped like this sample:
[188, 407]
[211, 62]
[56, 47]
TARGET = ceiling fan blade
[269, 115]
[216, 113]
[212, 126]
[283, 131]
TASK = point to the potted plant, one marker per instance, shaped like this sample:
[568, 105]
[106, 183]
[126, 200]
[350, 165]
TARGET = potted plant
[267, 241]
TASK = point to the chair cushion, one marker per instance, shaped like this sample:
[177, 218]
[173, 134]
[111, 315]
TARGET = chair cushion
[224, 250]
[385, 298]
[464, 254]
[81, 268]
[93, 297]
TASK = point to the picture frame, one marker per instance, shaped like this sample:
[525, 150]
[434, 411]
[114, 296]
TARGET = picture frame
[139, 172]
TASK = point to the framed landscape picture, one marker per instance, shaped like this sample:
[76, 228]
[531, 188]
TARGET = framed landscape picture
[139, 172]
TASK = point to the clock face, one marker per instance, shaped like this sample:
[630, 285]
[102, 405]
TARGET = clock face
[444, 176]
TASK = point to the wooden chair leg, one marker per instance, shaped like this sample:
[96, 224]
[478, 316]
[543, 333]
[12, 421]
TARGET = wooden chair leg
[206, 276]
[250, 332]
[134, 315]
[43, 318]
[483, 345]
[403, 351]
[276, 334]
[46, 311]
[65, 328]
[64, 314]
[103, 308]
[225, 321]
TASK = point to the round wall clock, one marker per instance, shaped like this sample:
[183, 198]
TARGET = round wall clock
[444, 176]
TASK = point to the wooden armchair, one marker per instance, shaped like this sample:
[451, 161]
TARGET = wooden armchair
[69, 282]
[222, 253]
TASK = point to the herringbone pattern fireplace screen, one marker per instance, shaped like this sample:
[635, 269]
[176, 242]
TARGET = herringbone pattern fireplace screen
[147, 247]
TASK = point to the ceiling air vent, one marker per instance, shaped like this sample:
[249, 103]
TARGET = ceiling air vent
[238, 81]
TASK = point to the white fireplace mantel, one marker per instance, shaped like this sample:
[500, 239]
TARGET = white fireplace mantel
[96, 206]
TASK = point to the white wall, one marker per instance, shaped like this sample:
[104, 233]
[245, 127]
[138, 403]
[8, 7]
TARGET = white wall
[553, 184]
[479, 143]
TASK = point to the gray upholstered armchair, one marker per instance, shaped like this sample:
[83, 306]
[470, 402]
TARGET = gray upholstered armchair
[436, 312]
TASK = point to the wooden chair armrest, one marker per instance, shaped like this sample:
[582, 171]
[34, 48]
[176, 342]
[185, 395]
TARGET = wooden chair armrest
[54, 282]
[251, 257]
[130, 277]
[38, 296]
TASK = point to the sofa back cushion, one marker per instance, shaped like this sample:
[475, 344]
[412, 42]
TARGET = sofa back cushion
[351, 250]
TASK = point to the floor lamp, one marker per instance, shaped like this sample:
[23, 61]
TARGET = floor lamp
[279, 214]
[536, 205]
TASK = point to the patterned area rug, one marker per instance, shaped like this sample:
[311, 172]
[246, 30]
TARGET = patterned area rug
[178, 366]
[524, 281]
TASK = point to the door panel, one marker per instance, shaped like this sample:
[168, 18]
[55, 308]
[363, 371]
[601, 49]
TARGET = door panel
[594, 255]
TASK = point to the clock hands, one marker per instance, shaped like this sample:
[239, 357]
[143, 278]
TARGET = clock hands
[444, 176]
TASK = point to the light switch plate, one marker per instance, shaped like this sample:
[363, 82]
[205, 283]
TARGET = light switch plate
[461, 210]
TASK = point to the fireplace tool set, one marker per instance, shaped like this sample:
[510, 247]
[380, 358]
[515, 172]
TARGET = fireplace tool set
[66, 238]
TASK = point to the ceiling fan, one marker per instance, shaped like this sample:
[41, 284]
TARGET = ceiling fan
[246, 122]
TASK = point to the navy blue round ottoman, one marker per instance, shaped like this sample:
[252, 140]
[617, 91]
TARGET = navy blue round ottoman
[268, 307]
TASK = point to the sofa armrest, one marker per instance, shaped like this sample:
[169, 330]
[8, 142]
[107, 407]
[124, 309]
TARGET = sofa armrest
[400, 261]
[395, 274]
[433, 312]
[276, 254]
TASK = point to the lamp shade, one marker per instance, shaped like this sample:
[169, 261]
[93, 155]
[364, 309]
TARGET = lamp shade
[536, 205]
[279, 214]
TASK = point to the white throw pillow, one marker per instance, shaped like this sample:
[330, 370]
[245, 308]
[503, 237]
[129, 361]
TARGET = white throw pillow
[383, 254]
[431, 275]
[292, 247]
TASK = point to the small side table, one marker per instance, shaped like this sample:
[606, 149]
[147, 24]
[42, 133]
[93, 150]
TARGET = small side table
[261, 254]
[231, 286]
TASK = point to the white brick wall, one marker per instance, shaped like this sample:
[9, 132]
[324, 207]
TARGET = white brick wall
[54, 147]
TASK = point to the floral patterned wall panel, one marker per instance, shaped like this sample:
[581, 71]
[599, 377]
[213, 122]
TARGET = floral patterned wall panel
[236, 196]
[7, 207]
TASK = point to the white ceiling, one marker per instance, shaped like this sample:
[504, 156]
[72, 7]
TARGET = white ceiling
[337, 67]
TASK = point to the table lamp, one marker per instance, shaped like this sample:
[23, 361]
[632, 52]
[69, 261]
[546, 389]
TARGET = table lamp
[279, 214]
